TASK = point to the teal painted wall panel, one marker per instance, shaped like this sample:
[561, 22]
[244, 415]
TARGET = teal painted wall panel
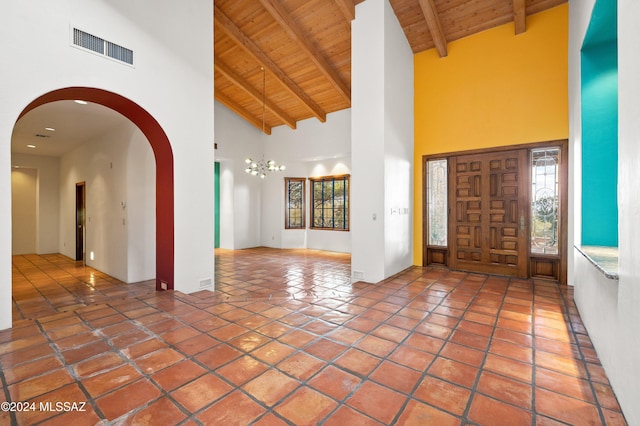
[599, 75]
[216, 200]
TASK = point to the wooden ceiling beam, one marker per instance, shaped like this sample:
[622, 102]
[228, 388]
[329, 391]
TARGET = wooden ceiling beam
[293, 30]
[241, 111]
[248, 45]
[519, 16]
[243, 84]
[435, 27]
[347, 8]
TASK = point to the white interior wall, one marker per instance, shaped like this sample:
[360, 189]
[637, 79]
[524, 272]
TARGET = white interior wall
[382, 142]
[274, 233]
[312, 140]
[24, 196]
[172, 79]
[101, 165]
[626, 375]
[367, 140]
[48, 201]
[140, 209]
[252, 209]
[240, 194]
[579, 17]
[120, 207]
[126, 145]
[227, 224]
[609, 308]
[398, 158]
[314, 149]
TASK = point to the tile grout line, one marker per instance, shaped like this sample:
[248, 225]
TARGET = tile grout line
[121, 355]
[474, 387]
[425, 372]
[69, 369]
[148, 376]
[534, 353]
[582, 358]
[268, 410]
[7, 395]
[301, 350]
[37, 289]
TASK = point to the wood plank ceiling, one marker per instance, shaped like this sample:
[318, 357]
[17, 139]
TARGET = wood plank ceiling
[281, 61]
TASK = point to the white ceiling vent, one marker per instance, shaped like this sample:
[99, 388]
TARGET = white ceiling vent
[103, 47]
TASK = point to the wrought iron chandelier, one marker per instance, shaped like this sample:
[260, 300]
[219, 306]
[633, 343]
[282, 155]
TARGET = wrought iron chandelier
[262, 167]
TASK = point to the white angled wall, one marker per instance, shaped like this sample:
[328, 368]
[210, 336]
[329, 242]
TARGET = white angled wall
[609, 308]
[367, 143]
[398, 147]
[626, 375]
[382, 143]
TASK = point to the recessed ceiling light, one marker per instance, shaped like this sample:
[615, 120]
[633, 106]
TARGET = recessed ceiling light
[31, 146]
[51, 129]
[78, 101]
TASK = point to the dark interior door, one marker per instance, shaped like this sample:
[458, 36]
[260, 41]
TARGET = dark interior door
[489, 216]
[80, 207]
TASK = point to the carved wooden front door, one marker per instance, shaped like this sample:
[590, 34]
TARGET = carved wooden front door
[488, 223]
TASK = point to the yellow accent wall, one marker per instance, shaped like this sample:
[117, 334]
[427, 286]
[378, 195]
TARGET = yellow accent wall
[494, 88]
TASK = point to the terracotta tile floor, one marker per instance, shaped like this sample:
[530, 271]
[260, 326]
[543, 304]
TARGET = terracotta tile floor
[287, 339]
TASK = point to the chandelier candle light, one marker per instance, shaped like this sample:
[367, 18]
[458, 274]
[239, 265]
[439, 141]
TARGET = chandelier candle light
[262, 167]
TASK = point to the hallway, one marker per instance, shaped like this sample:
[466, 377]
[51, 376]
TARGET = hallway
[287, 339]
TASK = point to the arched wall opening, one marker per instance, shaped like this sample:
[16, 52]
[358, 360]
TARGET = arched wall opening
[164, 166]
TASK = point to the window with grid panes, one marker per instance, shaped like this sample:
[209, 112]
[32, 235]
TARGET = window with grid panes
[330, 202]
[294, 203]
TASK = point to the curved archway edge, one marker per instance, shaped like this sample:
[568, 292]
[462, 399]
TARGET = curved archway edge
[164, 166]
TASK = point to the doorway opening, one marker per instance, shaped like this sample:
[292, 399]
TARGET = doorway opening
[80, 221]
[164, 168]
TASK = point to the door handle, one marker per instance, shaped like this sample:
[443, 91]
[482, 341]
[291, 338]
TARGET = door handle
[522, 223]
